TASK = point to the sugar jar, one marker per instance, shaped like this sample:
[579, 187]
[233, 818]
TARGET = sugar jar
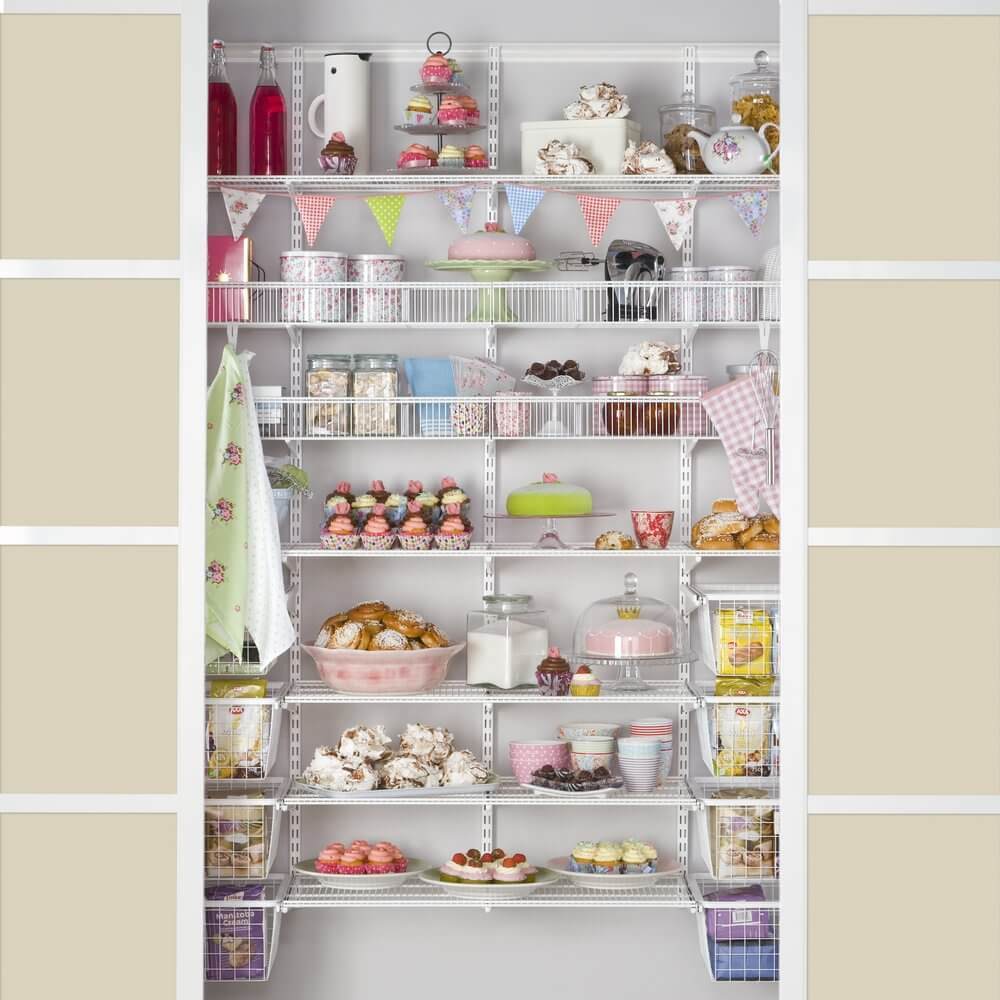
[755, 98]
[676, 121]
[505, 640]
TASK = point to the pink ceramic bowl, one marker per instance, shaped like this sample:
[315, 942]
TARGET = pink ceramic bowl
[359, 671]
[652, 527]
[528, 756]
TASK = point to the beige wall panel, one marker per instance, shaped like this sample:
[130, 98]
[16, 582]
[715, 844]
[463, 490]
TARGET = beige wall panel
[904, 403]
[885, 920]
[88, 907]
[904, 691]
[893, 103]
[88, 669]
[88, 402]
[89, 136]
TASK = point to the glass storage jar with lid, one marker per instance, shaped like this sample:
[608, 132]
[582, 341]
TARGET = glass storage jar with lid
[622, 416]
[376, 377]
[626, 630]
[328, 377]
[755, 98]
[676, 121]
[505, 640]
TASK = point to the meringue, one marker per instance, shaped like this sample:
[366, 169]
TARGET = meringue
[646, 158]
[599, 100]
[334, 774]
[650, 358]
[405, 772]
[364, 744]
[560, 159]
[462, 768]
[426, 743]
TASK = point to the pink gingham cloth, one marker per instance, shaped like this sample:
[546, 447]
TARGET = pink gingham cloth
[734, 410]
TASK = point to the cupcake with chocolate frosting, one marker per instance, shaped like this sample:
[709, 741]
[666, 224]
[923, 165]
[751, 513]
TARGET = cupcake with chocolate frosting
[553, 674]
[337, 156]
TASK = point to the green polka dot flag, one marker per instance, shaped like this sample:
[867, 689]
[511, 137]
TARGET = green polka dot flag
[386, 209]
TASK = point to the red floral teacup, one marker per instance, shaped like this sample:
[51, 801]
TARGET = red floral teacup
[652, 527]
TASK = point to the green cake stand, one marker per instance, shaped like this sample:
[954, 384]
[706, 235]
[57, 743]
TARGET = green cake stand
[492, 306]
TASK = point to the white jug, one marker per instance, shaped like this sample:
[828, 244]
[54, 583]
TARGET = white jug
[346, 101]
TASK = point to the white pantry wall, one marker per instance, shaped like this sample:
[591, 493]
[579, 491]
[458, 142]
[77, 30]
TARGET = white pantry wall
[448, 954]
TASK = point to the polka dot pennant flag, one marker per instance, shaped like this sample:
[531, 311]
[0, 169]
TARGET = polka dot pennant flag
[386, 209]
[523, 201]
[751, 207]
[597, 214]
[313, 209]
[459, 204]
[677, 218]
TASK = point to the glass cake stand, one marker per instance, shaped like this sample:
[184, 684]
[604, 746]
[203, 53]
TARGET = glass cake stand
[549, 538]
[492, 306]
[553, 427]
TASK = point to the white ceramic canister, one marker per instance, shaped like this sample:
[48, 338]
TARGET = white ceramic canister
[688, 305]
[313, 305]
[376, 305]
[728, 303]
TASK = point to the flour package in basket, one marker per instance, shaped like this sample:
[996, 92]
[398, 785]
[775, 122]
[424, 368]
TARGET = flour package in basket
[743, 642]
[236, 936]
[743, 734]
[235, 734]
[743, 838]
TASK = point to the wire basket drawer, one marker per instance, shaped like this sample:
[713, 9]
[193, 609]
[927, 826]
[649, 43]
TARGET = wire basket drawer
[738, 630]
[248, 666]
[242, 827]
[242, 921]
[739, 828]
[740, 931]
[241, 735]
[739, 737]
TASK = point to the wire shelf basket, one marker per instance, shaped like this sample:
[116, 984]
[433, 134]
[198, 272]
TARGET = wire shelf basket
[739, 737]
[503, 417]
[242, 827]
[737, 630]
[517, 303]
[242, 921]
[242, 735]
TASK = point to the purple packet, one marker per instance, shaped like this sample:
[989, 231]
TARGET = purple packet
[235, 937]
[738, 923]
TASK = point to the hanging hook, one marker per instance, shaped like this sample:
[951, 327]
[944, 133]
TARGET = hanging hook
[232, 333]
[764, 333]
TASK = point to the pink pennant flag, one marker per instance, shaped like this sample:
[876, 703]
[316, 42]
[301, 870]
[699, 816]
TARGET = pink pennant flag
[677, 218]
[313, 210]
[240, 207]
[597, 214]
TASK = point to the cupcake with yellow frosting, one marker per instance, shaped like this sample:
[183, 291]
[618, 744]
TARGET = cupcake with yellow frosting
[582, 858]
[607, 859]
[634, 859]
[585, 684]
[451, 156]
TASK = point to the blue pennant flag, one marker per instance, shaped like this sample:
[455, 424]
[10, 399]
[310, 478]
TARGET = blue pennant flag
[523, 201]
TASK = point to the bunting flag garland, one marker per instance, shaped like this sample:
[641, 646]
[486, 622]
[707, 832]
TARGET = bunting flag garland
[459, 203]
[522, 201]
[751, 207]
[597, 214]
[386, 209]
[240, 207]
[677, 218]
[313, 210]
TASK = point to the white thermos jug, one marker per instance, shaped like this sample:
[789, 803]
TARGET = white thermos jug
[346, 101]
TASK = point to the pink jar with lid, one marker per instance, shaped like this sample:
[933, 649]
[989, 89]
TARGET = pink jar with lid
[690, 418]
[620, 416]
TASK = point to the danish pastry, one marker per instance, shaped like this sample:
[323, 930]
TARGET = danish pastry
[614, 540]
[725, 507]
[389, 639]
[765, 540]
[333, 622]
[723, 542]
[434, 637]
[754, 529]
[367, 612]
[407, 623]
[346, 636]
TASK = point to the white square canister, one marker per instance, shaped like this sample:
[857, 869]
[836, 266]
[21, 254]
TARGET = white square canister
[506, 640]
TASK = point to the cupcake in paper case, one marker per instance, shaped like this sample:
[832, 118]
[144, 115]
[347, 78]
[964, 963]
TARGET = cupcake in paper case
[337, 156]
[377, 532]
[454, 533]
[475, 156]
[339, 531]
[417, 155]
[362, 507]
[451, 492]
[451, 112]
[457, 73]
[429, 502]
[395, 509]
[415, 531]
[582, 858]
[634, 860]
[607, 860]
[585, 684]
[451, 156]
[436, 69]
[419, 111]
[471, 108]
[341, 494]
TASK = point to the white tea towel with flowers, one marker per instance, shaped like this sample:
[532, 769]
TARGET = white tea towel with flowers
[735, 412]
[267, 618]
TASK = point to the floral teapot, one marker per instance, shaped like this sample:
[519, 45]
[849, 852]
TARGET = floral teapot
[736, 148]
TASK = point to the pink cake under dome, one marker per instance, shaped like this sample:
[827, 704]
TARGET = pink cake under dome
[630, 637]
[491, 244]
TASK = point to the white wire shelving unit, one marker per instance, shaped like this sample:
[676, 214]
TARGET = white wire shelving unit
[501, 550]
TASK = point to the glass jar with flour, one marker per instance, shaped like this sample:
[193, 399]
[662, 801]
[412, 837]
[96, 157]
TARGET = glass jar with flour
[506, 639]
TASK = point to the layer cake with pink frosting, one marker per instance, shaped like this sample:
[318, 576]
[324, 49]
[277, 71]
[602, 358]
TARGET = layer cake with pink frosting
[492, 243]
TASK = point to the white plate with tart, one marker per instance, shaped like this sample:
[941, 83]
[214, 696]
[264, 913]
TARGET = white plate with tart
[487, 891]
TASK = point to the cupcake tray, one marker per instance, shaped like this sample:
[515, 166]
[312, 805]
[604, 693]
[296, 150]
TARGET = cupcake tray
[589, 880]
[436, 129]
[363, 883]
[401, 793]
[491, 890]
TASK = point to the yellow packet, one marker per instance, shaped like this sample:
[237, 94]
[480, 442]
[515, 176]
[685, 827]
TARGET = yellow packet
[743, 642]
[244, 687]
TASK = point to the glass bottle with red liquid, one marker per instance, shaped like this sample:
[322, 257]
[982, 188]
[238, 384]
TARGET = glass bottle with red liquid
[221, 114]
[267, 120]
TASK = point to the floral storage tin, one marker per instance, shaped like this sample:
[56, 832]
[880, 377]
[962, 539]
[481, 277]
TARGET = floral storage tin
[376, 305]
[313, 305]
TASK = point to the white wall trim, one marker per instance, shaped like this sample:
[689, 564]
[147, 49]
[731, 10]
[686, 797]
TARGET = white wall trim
[159, 269]
[904, 7]
[904, 270]
[903, 805]
[915, 537]
[20, 535]
[58, 803]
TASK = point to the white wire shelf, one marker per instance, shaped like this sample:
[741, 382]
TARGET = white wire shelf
[674, 792]
[451, 692]
[679, 184]
[464, 305]
[242, 827]
[480, 550]
[706, 789]
[670, 893]
[392, 418]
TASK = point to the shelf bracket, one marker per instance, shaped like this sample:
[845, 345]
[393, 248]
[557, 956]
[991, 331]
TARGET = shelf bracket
[487, 824]
[764, 334]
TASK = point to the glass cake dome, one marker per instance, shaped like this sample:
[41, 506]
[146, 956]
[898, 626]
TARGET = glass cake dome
[626, 630]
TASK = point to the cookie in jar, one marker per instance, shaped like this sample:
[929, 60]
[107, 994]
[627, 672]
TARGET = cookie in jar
[755, 98]
[328, 378]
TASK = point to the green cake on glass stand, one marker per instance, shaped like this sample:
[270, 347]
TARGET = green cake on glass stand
[550, 500]
[491, 257]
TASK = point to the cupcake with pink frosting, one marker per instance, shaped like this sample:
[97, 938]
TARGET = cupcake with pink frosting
[415, 531]
[436, 69]
[341, 494]
[377, 532]
[454, 533]
[328, 861]
[339, 531]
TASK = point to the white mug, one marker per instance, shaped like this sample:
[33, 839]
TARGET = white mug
[346, 101]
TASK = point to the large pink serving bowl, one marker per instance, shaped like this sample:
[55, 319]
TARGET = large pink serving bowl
[360, 671]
